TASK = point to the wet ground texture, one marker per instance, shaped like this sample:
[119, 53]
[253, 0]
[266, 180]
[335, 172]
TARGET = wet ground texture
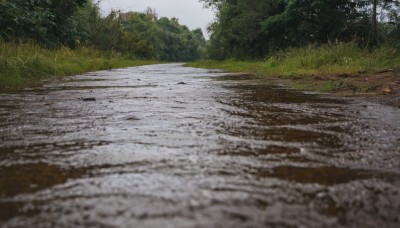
[168, 146]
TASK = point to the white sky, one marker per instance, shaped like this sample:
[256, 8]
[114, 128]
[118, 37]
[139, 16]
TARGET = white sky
[189, 12]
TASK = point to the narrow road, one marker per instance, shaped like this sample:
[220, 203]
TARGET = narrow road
[169, 146]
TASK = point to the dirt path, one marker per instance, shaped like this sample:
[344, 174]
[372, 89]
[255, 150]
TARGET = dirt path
[168, 146]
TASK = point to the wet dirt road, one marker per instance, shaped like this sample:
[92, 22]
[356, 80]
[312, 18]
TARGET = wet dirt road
[168, 146]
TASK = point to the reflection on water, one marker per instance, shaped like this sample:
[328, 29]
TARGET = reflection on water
[168, 146]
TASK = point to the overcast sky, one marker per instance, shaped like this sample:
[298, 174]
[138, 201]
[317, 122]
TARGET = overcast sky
[189, 12]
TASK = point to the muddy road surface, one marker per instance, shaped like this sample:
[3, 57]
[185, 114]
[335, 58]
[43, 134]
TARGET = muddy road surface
[169, 146]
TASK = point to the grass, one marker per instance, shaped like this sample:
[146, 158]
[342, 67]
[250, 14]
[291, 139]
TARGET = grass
[343, 58]
[324, 68]
[24, 65]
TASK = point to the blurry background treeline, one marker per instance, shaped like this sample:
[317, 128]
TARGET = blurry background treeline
[79, 23]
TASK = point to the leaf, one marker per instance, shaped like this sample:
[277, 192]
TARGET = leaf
[387, 90]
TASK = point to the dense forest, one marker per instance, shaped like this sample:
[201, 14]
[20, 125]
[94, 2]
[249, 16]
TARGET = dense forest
[253, 29]
[75, 23]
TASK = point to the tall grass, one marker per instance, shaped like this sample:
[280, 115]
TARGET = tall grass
[342, 58]
[29, 64]
[330, 59]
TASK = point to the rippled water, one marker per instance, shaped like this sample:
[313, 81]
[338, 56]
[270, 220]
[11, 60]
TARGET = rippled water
[168, 146]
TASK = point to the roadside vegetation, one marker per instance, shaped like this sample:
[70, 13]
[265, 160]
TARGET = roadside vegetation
[42, 39]
[343, 68]
[332, 59]
[332, 42]
[28, 64]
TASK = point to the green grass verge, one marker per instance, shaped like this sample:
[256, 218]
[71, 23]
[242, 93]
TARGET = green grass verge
[24, 65]
[307, 61]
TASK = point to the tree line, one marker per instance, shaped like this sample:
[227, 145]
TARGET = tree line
[73, 23]
[253, 29]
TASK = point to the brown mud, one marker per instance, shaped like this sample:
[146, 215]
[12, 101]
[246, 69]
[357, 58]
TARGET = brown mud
[381, 87]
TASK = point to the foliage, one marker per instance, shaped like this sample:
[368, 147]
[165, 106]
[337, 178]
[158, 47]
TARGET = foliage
[256, 29]
[341, 58]
[24, 19]
[330, 59]
[75, 23]
[161, 38]
[46, 21]
[26, 64]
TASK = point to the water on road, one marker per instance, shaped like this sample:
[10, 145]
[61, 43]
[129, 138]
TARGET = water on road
[168, 146]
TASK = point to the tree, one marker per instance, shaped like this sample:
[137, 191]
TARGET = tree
[254, 29]
[161, 38]
[71, 22]
[64, 30]
[383, 5]
[21, 19]
[45, 21]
